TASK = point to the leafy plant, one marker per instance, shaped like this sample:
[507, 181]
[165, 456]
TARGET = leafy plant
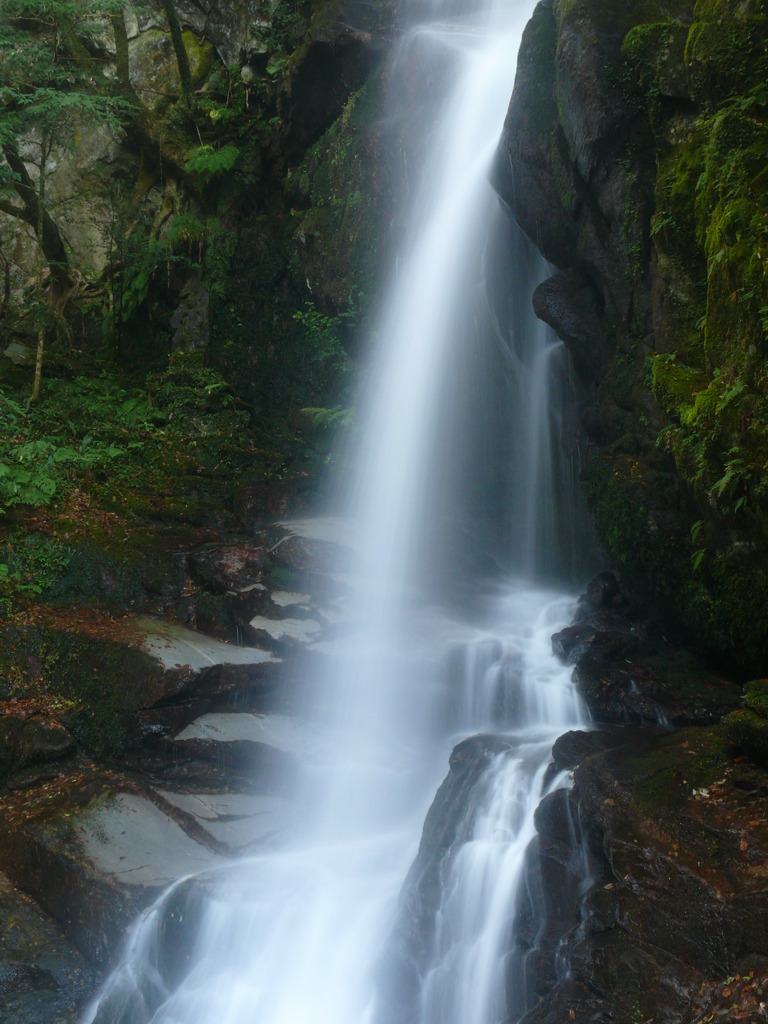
[207, 162]
[29, 565]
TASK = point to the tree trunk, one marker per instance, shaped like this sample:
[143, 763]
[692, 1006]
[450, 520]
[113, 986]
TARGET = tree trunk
[40, 231]
[48, 237]
[181, 54]
[121, 60]
[6, 284]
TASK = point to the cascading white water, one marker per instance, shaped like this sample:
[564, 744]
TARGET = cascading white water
[295, 934]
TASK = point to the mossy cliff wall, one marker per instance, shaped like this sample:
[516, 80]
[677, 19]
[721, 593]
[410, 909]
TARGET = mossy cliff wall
[634, 155]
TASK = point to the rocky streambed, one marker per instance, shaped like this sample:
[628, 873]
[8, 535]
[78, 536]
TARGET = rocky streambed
[646, 895]
[208, 741]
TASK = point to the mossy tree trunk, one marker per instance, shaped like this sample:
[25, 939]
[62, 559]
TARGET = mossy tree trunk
[179, 49]
[123, 77]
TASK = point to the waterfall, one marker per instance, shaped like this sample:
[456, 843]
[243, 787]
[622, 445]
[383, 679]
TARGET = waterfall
[461, 477]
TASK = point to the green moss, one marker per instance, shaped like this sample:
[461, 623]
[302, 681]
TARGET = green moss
[677, 766]
[736, 611]
[201, 56]
[654, 56]
[674, 222]
[757, 697]
[655, 561]
[724, 54]
[608, 15]
[748, 732]
[341, 185]
[675, 385]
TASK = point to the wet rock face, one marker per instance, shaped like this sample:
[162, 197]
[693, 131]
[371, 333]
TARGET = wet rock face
[448, 824]
[607, 163]
[667, 834]
[575, 161]
[678, 843]
[559, 865]
[228, 568]
[627, 672]
[43, 980]
[176, 925]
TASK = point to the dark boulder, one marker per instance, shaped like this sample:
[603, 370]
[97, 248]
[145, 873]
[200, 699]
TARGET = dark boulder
[447, 825]
[223, 568]
[673, 900]
[43, 979]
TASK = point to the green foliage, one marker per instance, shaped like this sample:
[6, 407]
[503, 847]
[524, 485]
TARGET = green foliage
[330, 419]
[324, 348]
[757, 697]
[285, 32]
[28, 465]
[186, 386]
[295, 353]
[197, 410]
[218, 251]
[208, 162]
[114, 452]
[710, 230]
[46, 81]
[81, 428]
[139, 271]
[713, 451]
[29, 565]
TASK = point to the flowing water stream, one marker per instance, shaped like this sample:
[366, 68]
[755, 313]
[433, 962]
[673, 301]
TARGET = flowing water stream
[460, 425]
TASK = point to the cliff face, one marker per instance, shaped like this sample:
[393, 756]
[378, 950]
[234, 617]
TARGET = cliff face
[634, 156]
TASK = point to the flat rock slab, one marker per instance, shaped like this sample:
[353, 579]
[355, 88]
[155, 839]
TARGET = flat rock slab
[287, 631]
[237, 819]
[285, 599]
[130, 839]
[94, 850]
[278, 731]
[176, 647]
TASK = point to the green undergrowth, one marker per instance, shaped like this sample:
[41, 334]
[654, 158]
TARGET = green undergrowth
[123, 440]
[91, 471]
[652, 555]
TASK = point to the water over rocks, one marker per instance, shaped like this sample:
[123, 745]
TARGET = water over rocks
[208, 773]
[643, 888]
[670, 829]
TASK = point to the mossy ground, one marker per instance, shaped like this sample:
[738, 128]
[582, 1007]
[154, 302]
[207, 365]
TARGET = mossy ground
[677, 768]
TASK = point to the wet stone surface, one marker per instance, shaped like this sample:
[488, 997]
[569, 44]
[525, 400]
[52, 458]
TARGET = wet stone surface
[43, 979]
[671, 828]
